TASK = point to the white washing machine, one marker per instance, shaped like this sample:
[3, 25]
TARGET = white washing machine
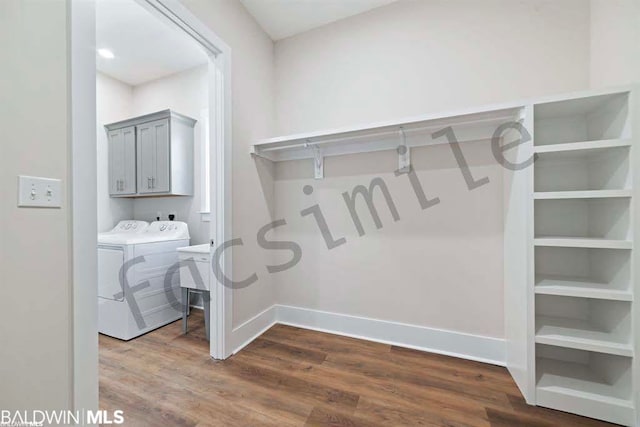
[135, 292]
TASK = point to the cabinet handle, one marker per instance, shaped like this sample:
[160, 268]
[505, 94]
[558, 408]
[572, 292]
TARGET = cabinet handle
[153, 182]
[148, 182]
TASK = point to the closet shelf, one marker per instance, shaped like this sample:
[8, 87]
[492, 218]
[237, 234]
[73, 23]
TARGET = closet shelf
[576, 379]
[590, 194]
[468, 125]
[580, 335]
[574, 387]
[582, 242]
[581, 146]
[579, 287]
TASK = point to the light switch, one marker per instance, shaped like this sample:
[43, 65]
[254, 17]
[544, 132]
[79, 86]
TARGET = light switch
[38, 192]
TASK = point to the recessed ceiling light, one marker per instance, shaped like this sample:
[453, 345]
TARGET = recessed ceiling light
[105, 53]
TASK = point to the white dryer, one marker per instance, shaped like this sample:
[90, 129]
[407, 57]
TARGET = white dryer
[137, 290]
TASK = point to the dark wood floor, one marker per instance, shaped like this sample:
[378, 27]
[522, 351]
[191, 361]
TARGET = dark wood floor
[292, 376]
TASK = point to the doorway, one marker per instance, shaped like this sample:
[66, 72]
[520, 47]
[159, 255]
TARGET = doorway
[85, 177]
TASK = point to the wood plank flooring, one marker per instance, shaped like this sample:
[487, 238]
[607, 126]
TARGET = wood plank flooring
[294, 377]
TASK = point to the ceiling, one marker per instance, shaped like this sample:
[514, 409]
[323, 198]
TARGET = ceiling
[144, 47]
[285, 18]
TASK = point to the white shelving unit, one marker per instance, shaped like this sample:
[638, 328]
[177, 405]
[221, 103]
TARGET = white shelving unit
[570, 225]
[582, 322]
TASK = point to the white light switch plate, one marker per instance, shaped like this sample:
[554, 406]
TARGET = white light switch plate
[39, 192]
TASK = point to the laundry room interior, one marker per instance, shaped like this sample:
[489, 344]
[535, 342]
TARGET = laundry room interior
[352, 180]
[152, 105]
[151, 74]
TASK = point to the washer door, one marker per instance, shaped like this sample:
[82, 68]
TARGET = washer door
[110, 280]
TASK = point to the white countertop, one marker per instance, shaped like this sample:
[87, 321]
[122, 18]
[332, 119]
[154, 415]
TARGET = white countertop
[198, 249]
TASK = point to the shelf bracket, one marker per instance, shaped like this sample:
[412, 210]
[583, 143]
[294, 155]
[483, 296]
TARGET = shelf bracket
[404, 154]
[318, 161]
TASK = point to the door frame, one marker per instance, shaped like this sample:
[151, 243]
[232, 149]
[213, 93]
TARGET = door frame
[82, 185]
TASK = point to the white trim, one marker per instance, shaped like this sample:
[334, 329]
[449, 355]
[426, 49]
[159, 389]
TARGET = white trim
[219, 71]
[205, 163]
[83, 221]
[221, 200]
[450, 343]
[245, 333]
[181, 17]
[456, 344]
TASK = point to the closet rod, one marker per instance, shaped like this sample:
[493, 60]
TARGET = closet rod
[387, 133]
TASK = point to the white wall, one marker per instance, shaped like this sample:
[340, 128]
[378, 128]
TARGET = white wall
[414, 56]
[186, 93]
[615, 42]
[35, 289]
[442, 267]
[114, 101]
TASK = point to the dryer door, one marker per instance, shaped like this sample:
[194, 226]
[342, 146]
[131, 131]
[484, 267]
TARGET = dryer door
[110, 262]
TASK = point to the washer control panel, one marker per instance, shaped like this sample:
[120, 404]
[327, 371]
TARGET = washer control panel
[166, 226]
[167, 230]
[130, 226]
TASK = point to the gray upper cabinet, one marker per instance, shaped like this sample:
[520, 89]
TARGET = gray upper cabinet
[151, 155]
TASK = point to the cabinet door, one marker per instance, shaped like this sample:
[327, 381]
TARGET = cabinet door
[116, 161]
[129, 174]
[122, 161]
[153, 157]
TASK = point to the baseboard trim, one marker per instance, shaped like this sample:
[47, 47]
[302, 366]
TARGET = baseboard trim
[244, 334]
[466, 346]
